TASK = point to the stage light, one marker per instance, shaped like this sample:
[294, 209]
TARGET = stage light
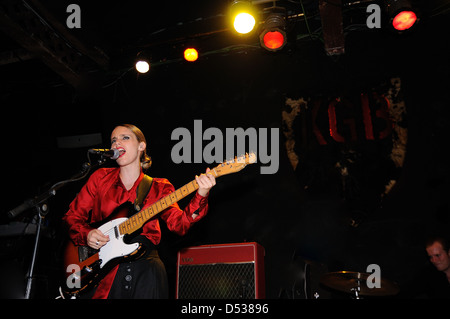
[242, 16]
[142, 66]
[142, 63]
[404, 20]
[401, 14]
[273, 40]
[191, 54]
[244, 23]
[273, 35]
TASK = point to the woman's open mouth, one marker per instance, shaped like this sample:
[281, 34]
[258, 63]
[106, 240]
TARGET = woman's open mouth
[121, 151]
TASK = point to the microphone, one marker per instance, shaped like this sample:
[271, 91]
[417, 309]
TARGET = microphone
[112, 154]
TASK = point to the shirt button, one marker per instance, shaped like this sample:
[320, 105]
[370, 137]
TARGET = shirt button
[128, 277]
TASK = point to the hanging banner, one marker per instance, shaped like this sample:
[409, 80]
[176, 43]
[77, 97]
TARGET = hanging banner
[358, 139]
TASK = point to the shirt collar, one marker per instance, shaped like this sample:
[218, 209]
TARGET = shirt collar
[118, 181]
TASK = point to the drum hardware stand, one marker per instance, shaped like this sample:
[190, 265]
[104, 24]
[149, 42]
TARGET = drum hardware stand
[40, 204]
[356, 290]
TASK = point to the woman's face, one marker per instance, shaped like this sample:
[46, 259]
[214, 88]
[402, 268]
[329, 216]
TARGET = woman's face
[124, 140]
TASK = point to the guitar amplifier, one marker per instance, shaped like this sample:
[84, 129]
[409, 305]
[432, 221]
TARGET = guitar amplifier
[223, 271]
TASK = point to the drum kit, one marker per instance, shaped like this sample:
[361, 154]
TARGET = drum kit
[356, 284]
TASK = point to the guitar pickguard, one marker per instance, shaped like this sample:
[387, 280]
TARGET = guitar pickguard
[116, 247]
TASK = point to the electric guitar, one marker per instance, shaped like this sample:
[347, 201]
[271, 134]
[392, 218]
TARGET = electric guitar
[84, 266]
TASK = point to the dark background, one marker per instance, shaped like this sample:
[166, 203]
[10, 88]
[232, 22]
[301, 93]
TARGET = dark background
[232, 86]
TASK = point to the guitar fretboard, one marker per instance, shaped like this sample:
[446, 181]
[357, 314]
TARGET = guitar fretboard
[136, 221]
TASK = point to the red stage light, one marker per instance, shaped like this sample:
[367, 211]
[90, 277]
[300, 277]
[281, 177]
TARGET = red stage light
[273, 40]
[273, 35]
[404, 20]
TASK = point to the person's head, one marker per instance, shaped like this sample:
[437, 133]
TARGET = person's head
[439, 253]
[130, 140]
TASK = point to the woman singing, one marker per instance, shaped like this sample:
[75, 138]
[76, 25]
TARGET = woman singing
[107, 189]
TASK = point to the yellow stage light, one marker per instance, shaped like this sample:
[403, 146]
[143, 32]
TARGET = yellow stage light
[190, 54]
[242, 16]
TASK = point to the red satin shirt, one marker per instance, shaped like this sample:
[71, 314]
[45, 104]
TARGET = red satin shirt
[104, 192]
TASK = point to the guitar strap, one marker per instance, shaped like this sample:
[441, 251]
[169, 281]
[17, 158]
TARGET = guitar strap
[142, 191]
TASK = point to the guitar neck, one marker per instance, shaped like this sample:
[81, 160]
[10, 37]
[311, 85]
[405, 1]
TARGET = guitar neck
[136, 221]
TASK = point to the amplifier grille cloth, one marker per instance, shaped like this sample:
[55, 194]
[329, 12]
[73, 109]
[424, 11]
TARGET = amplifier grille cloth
[217, 281]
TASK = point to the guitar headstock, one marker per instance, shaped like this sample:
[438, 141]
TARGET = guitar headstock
[234, 165]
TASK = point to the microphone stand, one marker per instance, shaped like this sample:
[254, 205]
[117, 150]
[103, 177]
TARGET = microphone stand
[40, 203]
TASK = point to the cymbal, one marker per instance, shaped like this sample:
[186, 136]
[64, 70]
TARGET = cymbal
[349, 281]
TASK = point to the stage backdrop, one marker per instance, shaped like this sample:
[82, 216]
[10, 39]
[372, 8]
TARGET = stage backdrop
[353, 143]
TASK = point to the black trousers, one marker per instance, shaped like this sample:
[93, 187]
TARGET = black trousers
[145, 278]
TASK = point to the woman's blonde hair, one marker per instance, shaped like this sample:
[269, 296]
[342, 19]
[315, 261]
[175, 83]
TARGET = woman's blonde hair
[146, 161]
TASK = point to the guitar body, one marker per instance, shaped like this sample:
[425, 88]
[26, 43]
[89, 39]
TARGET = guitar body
[84, 266]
